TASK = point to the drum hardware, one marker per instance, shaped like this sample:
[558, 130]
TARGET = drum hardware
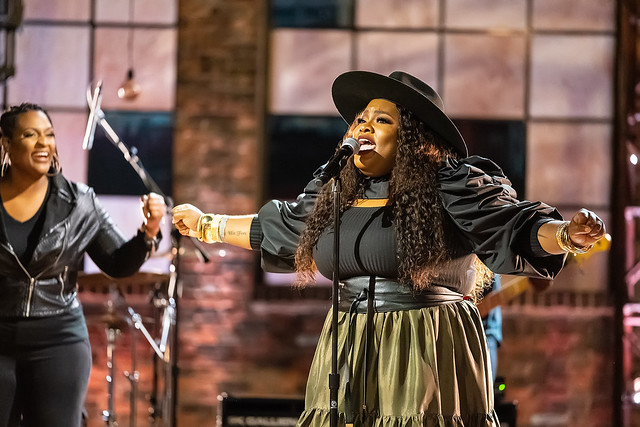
[137, 323]
[114, 325]
[133, 377]
[109, 415]
[165, 363]
[167, 347]
[140, 282]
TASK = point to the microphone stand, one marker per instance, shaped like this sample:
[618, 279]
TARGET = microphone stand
[173, 369]
[332, 169]
[334, 376]
[134, 161]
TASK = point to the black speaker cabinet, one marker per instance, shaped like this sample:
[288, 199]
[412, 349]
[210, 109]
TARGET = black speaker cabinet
[507, 413]
[258, 411]
[281, 412]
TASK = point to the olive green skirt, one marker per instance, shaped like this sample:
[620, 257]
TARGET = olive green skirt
[427, 367]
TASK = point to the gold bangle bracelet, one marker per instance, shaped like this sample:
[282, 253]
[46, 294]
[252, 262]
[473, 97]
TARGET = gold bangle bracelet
[565, 242]
[199, 227]
[209, 228]
[203, 222]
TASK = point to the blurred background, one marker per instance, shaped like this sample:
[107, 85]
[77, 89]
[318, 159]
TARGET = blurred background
[227, 104]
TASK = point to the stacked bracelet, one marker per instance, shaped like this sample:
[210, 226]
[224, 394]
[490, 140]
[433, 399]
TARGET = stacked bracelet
[222, 226]
[152, 241]
[565, 242]
[211, 228]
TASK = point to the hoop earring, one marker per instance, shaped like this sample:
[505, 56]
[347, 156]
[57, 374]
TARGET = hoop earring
[55, 165]
[5, 161]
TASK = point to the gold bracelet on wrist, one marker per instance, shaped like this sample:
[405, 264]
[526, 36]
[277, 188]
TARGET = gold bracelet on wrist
[565, 242]
[209, 228]
[222, 226]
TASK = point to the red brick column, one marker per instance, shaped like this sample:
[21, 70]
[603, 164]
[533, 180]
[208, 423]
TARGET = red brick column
[228, 341]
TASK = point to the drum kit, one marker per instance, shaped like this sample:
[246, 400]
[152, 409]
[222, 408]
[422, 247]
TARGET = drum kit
[118, 316]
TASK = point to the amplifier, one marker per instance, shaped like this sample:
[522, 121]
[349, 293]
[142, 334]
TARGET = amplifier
[507, 413]
[281, 412]
[258, 411]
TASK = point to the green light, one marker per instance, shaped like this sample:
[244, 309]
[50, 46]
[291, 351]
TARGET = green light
[501, 387]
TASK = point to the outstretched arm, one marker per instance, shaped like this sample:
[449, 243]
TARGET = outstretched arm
[232, 229]
[575, 236]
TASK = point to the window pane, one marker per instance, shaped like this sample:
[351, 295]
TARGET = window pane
[151, 134]
[298, 145]
[503, 142]
[312, 13]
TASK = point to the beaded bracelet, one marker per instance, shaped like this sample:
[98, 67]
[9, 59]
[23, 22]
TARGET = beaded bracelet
[565, 242]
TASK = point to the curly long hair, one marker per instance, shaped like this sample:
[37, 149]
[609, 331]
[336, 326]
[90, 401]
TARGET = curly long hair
[423, 229]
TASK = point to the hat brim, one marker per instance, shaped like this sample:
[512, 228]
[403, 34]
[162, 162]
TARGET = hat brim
[353, 90]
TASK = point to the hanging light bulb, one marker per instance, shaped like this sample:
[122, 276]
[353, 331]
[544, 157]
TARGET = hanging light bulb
[129, 89]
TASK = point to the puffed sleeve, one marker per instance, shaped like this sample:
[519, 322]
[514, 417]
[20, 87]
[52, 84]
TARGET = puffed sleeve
[276, 230]
[501, 230]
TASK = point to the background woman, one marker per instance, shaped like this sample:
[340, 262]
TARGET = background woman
[417, 218]
[47, 225]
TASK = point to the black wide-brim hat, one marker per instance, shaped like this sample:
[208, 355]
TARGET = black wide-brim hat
[353, 90]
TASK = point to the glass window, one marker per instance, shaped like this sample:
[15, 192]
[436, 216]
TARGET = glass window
[502, 141]
[312, 13]
[150, 135]
[297, 145]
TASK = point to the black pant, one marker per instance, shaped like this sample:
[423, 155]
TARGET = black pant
[45, 385]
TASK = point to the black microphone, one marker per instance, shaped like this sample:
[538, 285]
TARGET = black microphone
[335, 164]
[94, 109]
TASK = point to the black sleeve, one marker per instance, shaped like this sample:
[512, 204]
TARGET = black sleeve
[276, 230]
[501, 229]
[113, 254]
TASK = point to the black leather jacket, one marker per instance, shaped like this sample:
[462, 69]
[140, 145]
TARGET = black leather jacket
[75, 223]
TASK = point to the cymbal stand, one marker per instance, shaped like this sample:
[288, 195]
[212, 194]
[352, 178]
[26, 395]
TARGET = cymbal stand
[169, 314]
[109, 415]
[133, 378]
[137, 323]
[162, 354]
[155, 411]
[166, 344]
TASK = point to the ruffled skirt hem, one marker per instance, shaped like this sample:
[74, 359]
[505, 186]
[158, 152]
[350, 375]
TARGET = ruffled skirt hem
[318, 417]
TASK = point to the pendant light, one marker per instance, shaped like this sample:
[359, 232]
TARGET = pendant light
[129, 89]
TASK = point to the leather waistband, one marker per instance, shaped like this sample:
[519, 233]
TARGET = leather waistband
[390, 295]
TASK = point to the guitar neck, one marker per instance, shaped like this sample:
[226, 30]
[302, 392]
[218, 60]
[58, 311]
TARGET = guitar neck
[512, 286]
[509, 289]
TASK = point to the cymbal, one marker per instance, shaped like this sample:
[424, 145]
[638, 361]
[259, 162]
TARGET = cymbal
[110, 320]
[141, 278]
[115, 320]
